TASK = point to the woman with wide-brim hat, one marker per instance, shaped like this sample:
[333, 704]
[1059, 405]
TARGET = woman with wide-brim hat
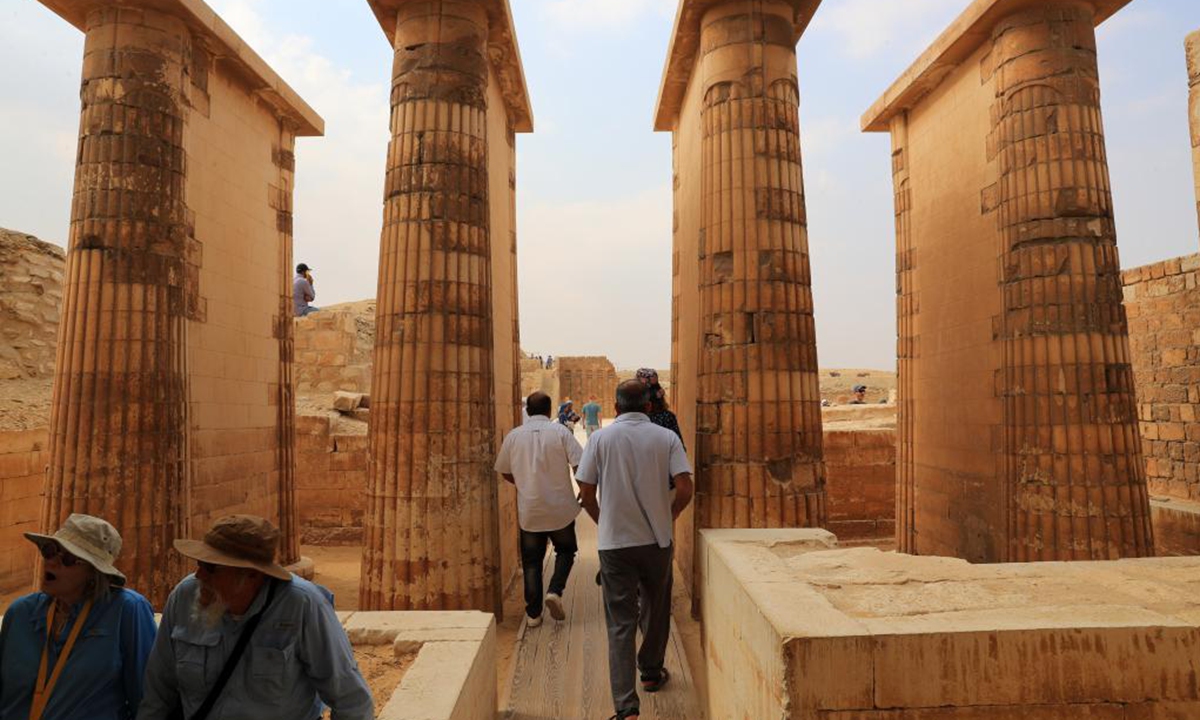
[76, 649]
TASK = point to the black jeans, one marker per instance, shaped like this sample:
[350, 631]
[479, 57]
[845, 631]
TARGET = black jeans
[533, 552]
[637, 594]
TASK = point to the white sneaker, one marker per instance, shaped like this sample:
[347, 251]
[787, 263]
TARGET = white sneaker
[555, 606]
[532, 622]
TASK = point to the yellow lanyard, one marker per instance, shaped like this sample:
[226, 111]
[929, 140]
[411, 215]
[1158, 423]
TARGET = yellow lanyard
[42, 689]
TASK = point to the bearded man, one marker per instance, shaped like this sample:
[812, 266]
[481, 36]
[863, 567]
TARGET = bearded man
[244, 639]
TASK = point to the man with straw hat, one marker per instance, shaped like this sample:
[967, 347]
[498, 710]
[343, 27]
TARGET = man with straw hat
[244, 639]
[78, 648]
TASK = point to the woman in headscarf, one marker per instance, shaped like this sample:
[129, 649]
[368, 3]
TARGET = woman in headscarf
[77, 649]
[660, 414]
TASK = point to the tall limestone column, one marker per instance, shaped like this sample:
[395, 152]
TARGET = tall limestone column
[759, 456]
[431, 536]
[119, 417]
[1072, 455]
[1193, 63]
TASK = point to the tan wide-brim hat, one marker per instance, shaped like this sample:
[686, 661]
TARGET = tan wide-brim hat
[244, 541]
[90, 539]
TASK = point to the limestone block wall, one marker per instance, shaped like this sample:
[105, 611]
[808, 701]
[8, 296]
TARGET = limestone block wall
[796, 628]
[333, 349]
[30, 296]
[173, 399]
[536, 378]
[1163, 304]
[581, 378]
[331, 481]
[24, 455]
[1017, 428]
[860, 468]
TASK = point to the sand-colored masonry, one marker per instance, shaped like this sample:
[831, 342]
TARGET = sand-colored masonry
[119, 422]
[1075, 480]
[430, 527]
[1193, 64]
[758, 428]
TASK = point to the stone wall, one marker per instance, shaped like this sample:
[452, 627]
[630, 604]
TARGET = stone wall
[582, 378]
[23, 458]
[334, 349]
[1163, 304]
[860, 468]
[796, 628]
[30, 295]
[331, 479]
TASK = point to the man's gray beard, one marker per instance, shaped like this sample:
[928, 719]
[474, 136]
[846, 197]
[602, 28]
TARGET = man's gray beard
[208, 617]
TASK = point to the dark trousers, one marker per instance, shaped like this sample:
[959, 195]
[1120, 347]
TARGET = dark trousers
[637, 593]
[533, 552]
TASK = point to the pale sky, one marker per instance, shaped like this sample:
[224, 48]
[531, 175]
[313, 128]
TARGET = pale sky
[593, 188]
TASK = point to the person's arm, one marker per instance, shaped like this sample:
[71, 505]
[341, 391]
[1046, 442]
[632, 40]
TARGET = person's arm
[328, 659]
[683, 493]
[587, 498]
[310, 292]
[504, 461]
[161, 689]
[137, 642]
[588, 476]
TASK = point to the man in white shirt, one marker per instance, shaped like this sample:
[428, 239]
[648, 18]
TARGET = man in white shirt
[632, 462]
[537, 458]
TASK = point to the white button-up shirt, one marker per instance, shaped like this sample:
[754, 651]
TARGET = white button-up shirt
[539, 455]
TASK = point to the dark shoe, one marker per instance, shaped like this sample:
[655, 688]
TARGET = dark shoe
[656, 684]
[621, 715]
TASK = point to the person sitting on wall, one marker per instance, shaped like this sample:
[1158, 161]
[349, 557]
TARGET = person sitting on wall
[242, 638]
[537, 458]
[84, 617]
[302, 291]
[860, 395]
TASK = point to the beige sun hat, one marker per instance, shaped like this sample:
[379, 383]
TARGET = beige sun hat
[90, 539]
[245, 541]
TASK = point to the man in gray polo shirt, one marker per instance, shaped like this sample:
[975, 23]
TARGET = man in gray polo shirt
[631, 463]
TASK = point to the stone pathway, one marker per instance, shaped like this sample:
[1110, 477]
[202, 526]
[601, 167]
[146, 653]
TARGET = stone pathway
[561, 669]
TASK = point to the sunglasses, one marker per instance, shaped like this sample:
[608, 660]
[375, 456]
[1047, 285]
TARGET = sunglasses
[206, 567]
[50, 551]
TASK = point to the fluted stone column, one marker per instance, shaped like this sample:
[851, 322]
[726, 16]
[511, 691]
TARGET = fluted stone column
[431, 535]
[906, 342]
[284, 158]
[119, 418]
[1073, 471]
[1193, 62]
[759, 458]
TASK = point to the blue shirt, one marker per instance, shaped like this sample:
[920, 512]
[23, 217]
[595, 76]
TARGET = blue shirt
[102, 679]
[591, 414]
[298, 656]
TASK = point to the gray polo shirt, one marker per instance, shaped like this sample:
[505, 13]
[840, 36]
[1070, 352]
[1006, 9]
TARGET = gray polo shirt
[631, 463]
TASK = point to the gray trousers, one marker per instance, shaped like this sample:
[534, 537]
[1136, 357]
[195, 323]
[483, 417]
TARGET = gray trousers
[637, 593]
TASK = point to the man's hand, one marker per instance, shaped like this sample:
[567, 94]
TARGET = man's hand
[683, 493]
[587, 498]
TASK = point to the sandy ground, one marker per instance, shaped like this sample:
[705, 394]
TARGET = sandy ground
[382, 670]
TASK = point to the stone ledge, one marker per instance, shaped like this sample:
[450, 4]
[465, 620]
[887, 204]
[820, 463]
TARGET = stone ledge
[795, 628]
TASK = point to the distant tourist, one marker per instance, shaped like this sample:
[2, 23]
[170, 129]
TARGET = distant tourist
[549, 361]
[567, 415]
[302, 291]
[244, 638]
[98, 630]
[591, 416]
[860, 395]
[629, 463]
[537, 458]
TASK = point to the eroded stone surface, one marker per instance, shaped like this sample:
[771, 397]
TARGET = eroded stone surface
[797, 630]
